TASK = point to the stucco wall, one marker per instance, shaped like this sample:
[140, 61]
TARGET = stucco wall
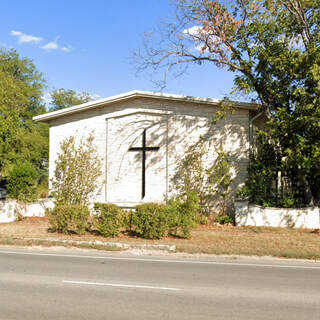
[254, 215]
[10, 209]
[171, 125]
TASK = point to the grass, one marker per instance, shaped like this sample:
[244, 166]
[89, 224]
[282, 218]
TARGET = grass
[8, 241]
[229, 240]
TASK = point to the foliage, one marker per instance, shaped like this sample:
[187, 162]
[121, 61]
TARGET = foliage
[69, 218]
[18, 215]
[273, 47]
[127, 217]
[190, 176]
[62, 98]
[207, 182]
[223, 219]
[108, 219]
[220, 177]
[77, 172]
[23, 74]
[150, 220]
[154, 221]
[202, 219]
[269, 184]
[182, 214]
[43, 190]
[21, 140]
[22, 182]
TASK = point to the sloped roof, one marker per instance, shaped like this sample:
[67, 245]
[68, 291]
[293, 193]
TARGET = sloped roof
[134, 94]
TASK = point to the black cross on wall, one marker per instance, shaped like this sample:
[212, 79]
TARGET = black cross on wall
[144, 150]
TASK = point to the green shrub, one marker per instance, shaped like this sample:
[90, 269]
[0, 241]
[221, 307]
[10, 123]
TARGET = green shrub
[127, 218]
[202, 219]
[77, 174]
[150, 220]
[22, 182]
[182, 214]
[224, 220]
[108, 219]
[154, 221]
[69, 218]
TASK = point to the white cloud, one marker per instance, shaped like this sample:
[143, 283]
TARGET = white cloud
[53, 45]
[192, 31]
[50, 46]
[25, 38]
[197, 34]
[66, 49]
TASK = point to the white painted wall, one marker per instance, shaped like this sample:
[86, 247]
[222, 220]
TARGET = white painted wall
[172, 125]
[10, 208]
[254, 215]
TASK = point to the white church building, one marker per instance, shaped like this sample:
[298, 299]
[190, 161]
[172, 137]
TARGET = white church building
[141, 136]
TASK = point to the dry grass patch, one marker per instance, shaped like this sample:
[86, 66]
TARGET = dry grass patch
[259, 241]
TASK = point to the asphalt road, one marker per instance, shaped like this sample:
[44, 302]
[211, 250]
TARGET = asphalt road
[48, 284]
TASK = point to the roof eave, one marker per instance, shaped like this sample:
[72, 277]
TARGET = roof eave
[47, 117]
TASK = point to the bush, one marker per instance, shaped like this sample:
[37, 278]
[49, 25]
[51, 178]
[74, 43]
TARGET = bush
[108, 219]
[224, 220]
[77, 172]
[202, 219]
[182, 214]
[127, 217]
[69, 218]
[150, 220]
[22, 182]
[154, 221]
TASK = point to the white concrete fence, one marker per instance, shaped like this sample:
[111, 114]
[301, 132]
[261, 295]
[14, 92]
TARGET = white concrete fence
[245, 214]
[253, 215]
[10, 210]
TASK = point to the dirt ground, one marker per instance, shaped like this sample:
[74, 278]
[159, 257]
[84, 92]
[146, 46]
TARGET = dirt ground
[210, 239]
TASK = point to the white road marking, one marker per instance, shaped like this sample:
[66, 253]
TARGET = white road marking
[118, 285]
[240, 264]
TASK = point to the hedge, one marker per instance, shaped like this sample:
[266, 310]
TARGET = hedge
[108, 219]
[69, 218]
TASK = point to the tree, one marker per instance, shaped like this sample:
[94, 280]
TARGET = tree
[62, 98]
[22, 182]
[77, 172]
[273, 48]
[22, 141]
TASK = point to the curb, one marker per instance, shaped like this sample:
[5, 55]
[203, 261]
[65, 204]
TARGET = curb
[126, 246]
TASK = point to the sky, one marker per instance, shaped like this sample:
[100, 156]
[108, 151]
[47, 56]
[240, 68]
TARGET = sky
[88, 45]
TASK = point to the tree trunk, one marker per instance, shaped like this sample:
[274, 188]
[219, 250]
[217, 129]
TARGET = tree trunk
[308, 196]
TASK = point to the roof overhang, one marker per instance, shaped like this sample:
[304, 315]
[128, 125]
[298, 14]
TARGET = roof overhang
[47, 117]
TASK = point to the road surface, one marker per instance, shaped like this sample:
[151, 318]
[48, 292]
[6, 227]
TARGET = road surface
[62, 284]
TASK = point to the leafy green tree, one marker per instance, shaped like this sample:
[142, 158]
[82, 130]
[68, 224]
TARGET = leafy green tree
[22, 182]
[273, 47]
[21, 139]
[77, 172]
[62, 98]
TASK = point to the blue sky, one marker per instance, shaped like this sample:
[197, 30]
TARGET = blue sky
[88, 45]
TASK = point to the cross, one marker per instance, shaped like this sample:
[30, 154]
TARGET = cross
[144, 149]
